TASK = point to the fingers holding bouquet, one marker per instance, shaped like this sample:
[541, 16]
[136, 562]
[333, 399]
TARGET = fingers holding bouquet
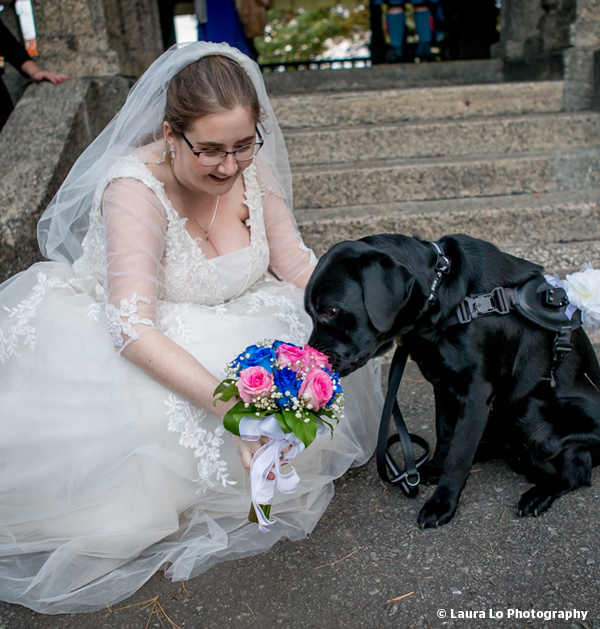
[247, 449]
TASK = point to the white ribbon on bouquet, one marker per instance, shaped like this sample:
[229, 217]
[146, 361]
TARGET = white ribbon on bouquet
[270, 458]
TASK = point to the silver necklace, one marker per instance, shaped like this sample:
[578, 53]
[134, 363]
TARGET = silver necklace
[187, 209]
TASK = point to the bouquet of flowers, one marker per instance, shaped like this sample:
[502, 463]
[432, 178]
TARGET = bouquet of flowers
[583, 291]
[284, 392]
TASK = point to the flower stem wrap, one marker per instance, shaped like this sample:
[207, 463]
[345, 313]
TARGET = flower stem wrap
[268, 459]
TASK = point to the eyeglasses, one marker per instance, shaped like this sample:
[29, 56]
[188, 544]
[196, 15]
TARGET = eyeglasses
[213, 157]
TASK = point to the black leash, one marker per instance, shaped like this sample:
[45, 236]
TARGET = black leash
[409, 478]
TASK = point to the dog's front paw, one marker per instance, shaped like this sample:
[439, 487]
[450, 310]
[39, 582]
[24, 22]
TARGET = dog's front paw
[535, 501]
[430, 473]
[436, 511]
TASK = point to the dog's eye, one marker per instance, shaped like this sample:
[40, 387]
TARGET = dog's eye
[330, 312]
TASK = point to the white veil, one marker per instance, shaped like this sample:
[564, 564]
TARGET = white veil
[64, 224]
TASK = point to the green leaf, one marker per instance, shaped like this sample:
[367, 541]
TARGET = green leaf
[328, 424]
[280, 415]
[247, 412]
[328, 413]
[231, 421]
[227, 389]
[305, 431]
[223, 385]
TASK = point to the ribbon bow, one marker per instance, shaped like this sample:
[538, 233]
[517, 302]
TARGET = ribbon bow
[270, 458]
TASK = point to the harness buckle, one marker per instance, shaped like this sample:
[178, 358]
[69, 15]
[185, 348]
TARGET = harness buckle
[472, 307]
[562, 345]
[502, 303]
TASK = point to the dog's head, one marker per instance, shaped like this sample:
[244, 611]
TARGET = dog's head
[358, 298]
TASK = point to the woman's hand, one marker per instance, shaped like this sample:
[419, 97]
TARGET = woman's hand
[37, 74]
[247, 449]
[49, 76]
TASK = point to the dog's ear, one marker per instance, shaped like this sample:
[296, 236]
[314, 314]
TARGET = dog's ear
[387, 287]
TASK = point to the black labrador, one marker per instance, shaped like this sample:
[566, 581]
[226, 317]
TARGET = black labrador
[498, 393]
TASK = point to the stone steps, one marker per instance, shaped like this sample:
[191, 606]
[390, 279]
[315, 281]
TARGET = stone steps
[562, 229]
[397, 76]
[498, 161]
[498, 135]
[391, 106]
[561, 258]
[391, 181]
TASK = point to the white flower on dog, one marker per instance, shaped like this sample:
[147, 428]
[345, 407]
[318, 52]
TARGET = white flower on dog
[583, 291]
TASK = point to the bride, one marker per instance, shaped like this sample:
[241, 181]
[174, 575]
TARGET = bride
[172, 247]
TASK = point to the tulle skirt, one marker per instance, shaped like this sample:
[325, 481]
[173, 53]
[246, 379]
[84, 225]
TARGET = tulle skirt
[107, 477]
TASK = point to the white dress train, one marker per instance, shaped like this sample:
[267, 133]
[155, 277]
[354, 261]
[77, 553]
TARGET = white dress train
[106, 476]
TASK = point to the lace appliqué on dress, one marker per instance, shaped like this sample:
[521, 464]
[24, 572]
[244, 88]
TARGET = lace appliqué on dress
[171, 321]
[185, 418]
[122, 320]
[23, 312]
[288, 313]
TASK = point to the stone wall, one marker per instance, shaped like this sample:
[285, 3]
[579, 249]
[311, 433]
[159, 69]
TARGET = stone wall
[582, 59]
[534, 34]
[49, 129]
[553, 40]
[102, 45]
[97, 37]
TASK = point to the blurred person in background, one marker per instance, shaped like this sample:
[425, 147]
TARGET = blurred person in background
[14, 52]
[396, 26]
[235, 22]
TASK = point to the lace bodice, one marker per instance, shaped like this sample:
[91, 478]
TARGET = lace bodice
[185, 274]
[139, 259]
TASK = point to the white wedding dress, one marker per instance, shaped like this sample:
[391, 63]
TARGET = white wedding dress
[106, 476]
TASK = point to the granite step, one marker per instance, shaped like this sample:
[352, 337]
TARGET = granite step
[521, 221]
[397, 76]
[390, 106]
[420, 179]
[560, 257]
[501, 135]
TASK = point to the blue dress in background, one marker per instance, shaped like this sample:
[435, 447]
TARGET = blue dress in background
[223, 25]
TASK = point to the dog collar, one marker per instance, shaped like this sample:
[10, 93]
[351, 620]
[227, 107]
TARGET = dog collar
[441, 268]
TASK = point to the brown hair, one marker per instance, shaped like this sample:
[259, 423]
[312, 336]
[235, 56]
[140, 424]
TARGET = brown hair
[210, 85]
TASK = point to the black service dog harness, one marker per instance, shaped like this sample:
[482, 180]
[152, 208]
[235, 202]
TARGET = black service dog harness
[537, 301]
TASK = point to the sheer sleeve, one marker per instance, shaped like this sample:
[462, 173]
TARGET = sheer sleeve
[135, 224]
[290, 259]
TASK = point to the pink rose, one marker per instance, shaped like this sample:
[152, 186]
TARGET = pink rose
[254, 383]
[291, 356]
[316, 359]
[318, 387]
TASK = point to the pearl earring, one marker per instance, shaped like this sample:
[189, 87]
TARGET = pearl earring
[172, 149]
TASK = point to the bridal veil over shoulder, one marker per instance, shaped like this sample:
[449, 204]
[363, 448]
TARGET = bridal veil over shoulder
[105, 475]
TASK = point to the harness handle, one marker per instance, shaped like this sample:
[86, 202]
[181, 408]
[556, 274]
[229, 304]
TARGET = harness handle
[409, 478]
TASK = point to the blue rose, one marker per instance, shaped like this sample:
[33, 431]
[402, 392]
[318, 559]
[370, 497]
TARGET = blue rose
[285, 380]
[337, 387]
[276, 344]
[256, 356]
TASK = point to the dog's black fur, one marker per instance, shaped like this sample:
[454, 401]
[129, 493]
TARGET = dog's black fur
[490, 399]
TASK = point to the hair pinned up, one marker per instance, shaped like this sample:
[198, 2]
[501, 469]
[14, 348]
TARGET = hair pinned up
[210, 85]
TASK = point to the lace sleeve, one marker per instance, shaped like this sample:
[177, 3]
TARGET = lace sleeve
[290, 258]
[135, 236]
